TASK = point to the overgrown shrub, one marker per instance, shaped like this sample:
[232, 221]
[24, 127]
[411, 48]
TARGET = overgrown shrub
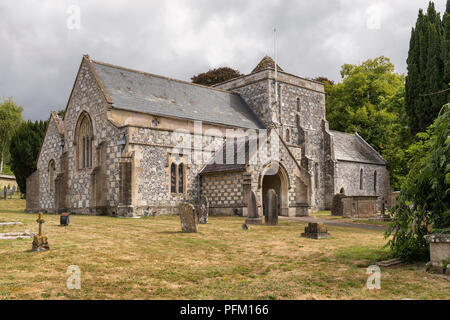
[423, 204]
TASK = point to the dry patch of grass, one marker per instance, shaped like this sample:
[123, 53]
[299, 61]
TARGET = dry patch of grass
[150, 259]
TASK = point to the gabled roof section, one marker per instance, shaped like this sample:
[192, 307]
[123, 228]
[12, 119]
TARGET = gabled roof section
[143, 92]
[353, 148]
[266, 63]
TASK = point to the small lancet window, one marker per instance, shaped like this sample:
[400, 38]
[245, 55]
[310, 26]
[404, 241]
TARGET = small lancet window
[375, 181]
[361, 179]
[173, 178]
[181, 178]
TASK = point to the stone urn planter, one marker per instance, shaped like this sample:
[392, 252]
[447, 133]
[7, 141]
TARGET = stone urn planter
[439, 250]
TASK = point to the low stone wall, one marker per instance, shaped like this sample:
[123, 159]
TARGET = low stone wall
[359, 206]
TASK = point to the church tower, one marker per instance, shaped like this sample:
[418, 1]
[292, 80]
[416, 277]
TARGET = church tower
[297, 109]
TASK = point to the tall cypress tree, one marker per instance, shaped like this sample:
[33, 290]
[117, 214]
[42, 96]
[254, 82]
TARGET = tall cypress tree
[446, 46]
[427, 57]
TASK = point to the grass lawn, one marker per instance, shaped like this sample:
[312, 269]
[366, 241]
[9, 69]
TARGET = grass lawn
[150, 259]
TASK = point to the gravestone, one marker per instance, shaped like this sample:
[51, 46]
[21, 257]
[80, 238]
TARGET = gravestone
[188, 218]
[252, 210]
[64, 219]
[203, 213]
[40, 242]
[272, 209]
[337, 208]
[5, 194]
[316, 231]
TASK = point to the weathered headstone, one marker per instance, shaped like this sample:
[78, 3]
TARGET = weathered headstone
[40, 242]
[64, 219]
[316, 231]
[272, 210]
[5, 194]
[252, 210]
[188, 218]
[203, 213]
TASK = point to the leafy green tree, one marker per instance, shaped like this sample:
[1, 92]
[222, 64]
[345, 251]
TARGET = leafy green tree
[215, 76]
[424, 201]
[10, 119]
[370, 100]
[428, 57]
[24, 149]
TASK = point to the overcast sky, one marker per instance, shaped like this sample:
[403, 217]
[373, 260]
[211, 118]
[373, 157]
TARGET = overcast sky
[42, 42]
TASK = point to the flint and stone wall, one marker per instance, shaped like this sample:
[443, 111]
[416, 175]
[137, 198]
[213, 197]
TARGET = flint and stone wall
[224, 192]
[50, 150]
[86, 97]
[348, 178]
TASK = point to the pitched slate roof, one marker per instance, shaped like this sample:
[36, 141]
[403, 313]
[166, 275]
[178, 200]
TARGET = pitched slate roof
[266, 63]
[351, 147]
[218, 161]
[142, 92]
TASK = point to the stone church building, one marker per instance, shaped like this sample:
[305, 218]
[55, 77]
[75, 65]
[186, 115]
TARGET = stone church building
[117, 149]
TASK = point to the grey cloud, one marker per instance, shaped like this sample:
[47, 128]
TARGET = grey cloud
[40, 55]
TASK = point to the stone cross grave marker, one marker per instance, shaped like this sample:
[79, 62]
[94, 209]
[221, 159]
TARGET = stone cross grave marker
[252, 210]
[40, 242]
[203, 210]
[272, 210]
[188, 218]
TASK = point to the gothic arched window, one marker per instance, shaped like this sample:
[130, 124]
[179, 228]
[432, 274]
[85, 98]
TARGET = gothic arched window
[84, 139]
[51, 175]
[298, 105]
[173, 178]
[288, 135]
[361, 179]
[375, 181]
[180, 178]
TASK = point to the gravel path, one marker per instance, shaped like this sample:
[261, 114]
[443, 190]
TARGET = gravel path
[336, 223]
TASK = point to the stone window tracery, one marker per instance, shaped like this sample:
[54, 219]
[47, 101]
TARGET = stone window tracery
[177, 178]
[84, 139]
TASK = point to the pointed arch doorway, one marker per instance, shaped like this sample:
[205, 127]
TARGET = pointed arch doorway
[274, 176]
